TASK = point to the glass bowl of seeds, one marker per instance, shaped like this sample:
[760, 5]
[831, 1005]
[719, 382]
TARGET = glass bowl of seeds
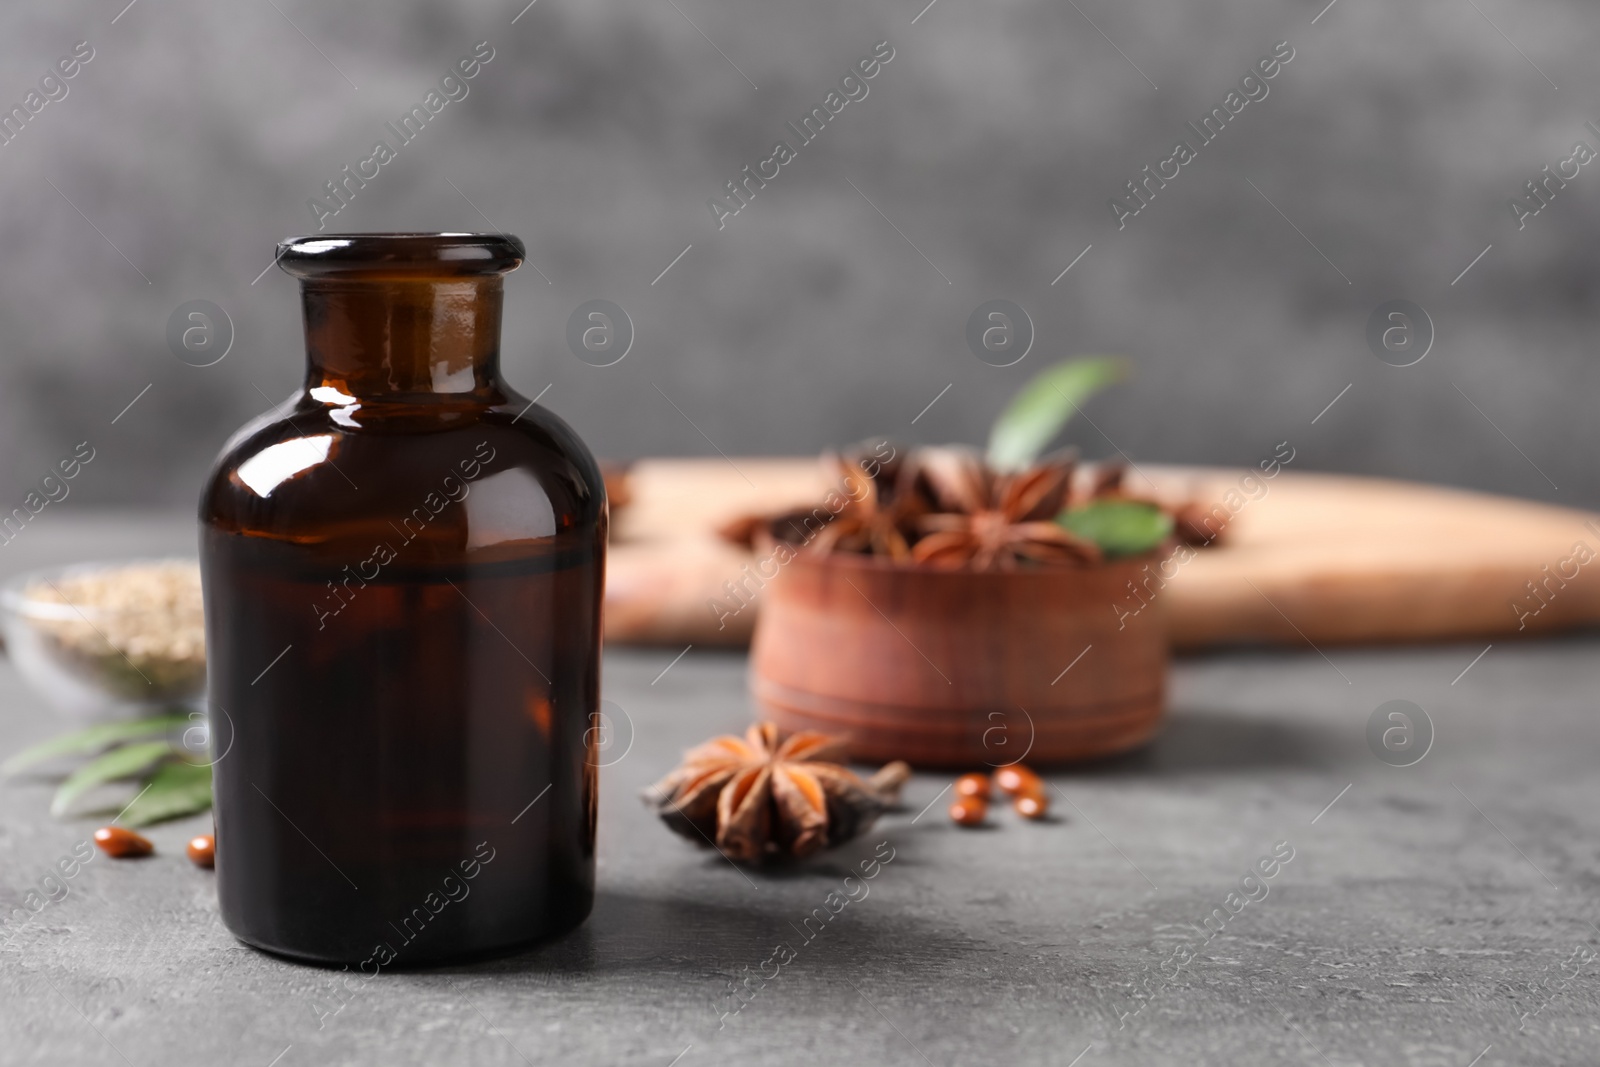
[109, 640]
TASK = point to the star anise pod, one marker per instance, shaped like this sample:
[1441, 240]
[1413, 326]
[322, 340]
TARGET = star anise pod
[1106, 478]
[993, 521]
[761, 795]
[1196, 525]
[619, 484]
[870, 509]
[877, 513]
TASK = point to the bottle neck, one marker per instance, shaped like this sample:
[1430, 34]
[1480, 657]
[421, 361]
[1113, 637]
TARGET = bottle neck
[396, 337]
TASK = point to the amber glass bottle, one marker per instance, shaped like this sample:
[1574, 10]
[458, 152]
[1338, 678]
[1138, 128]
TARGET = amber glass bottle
[403, 569]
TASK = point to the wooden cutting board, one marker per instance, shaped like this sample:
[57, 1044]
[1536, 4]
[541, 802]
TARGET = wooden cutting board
[1307, 557]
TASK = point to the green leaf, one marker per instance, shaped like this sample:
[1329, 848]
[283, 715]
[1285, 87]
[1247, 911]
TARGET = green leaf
[176, 789]
[124, 762]
[91, 740]
[1119, 527]
[1037, 413]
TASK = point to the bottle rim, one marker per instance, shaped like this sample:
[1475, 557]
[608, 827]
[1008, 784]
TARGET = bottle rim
[377, 254]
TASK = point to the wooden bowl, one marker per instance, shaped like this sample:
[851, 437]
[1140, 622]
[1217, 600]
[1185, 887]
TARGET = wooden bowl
[955, 668]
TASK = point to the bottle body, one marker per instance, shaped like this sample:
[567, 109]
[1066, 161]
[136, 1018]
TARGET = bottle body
[403, 620]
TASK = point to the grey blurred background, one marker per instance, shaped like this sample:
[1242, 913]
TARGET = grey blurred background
[991, 143]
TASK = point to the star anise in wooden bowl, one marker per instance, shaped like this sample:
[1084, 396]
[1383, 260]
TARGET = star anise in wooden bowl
[764, 796]
[992, 521]
[1006, 508]
[871, 509]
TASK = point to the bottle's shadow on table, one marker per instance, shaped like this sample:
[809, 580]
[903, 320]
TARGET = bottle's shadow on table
[650, 939]
[643, 937]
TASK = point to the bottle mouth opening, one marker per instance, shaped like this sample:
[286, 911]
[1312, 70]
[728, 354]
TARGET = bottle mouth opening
[387, 254]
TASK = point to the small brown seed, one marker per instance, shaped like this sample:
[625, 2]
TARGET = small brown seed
[973, 785]
[121, 843]
[1017, 779]
[1032, 805]
[969, 811]
[203, 851]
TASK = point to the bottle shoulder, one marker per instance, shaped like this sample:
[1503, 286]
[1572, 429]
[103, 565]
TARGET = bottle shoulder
[448, 479]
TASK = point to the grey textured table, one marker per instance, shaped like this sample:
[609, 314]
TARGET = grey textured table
[1432, 914]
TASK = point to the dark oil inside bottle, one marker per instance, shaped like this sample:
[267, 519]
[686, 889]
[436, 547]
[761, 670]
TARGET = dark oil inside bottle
[403, 588]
